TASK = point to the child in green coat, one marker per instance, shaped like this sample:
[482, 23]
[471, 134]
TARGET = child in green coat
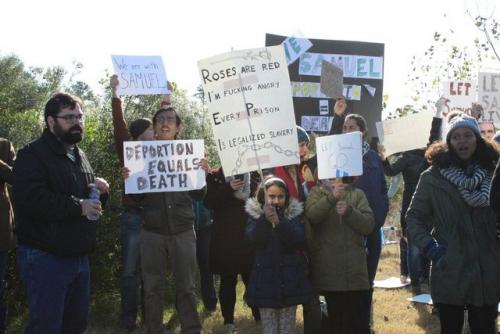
[341, 217]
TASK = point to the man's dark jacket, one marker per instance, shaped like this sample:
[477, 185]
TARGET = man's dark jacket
[47, 185]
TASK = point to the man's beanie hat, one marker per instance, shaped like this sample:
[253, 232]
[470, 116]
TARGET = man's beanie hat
[138, 126]
[302, 135]
[463, 121]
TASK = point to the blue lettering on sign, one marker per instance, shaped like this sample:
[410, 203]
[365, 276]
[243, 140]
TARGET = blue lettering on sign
[353, 66]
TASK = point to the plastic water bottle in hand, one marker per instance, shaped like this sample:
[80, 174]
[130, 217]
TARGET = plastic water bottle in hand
[94, 195]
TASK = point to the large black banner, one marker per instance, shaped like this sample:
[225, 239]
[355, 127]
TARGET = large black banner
[362, 64]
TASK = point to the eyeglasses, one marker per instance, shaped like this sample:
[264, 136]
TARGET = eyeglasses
[72, 118]
[168, 119]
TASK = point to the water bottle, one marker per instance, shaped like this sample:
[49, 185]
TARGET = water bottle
[94, 195]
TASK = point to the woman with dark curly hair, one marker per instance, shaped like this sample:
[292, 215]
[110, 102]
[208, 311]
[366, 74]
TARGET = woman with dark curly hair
[451, 221]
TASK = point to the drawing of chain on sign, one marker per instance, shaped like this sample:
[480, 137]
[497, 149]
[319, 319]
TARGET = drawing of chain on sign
[339, 160]
[252, 160]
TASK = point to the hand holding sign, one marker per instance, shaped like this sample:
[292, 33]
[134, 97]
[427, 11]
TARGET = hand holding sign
[114, 83]
[442, 107]
[271, 214]
[341, 208]
[340, 106]
[338, 190]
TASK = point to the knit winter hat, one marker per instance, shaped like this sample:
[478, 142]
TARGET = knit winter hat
[138, 126]
[302, 135]
[463, 121]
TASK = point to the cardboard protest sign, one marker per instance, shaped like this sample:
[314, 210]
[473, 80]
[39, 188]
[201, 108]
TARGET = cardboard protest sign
[332, 78]
[339, 155]
[489, 96]
[316, 123]
[140, 75]
[163, 165]
[295, 47]
[251, 111]
[460, 93]
[406, 133]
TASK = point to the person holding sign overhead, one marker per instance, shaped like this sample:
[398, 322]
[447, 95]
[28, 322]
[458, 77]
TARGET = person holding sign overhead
[167, 234]
[340, 218]
[130, 220]
[372, 182]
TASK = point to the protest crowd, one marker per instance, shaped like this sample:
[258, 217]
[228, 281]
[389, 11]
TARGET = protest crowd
[292, 237]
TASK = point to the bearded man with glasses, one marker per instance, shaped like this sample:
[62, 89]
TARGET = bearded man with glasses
[52, 179]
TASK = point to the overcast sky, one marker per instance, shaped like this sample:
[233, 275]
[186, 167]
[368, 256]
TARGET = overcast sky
[60, 32]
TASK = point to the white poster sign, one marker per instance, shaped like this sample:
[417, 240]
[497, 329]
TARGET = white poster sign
[460, 93]
[313, 90]
[405, 133]
[316, 123]
[339, 155]
[489, 96]
[140, 75]
[353, 66]
[251, 109]
[295, 47]
[163, 165]
[324, 107]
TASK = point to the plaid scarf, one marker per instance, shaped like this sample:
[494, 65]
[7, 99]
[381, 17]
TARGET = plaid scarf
[474, 189]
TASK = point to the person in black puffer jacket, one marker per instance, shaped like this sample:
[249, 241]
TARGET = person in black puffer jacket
[278, 282]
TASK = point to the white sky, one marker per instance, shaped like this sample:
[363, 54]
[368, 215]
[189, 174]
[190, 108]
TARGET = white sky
[58, 32]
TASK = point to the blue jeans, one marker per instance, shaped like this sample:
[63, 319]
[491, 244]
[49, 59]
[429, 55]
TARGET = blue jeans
[130, 230]
[206, 277]
[3, 307]
[58, 291]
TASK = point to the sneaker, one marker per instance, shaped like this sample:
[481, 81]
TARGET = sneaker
[230, 328]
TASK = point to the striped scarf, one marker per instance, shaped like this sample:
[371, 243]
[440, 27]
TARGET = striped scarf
[474, 189]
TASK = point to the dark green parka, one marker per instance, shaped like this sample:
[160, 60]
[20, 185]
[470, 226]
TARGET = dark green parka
[472, 271]
[337, 251]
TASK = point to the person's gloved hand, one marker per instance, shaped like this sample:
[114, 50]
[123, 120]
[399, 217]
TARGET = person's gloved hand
[436, 253]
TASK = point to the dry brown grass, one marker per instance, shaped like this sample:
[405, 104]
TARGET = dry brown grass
[393, 314]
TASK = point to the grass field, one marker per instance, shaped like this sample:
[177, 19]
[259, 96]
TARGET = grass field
[393, 314]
